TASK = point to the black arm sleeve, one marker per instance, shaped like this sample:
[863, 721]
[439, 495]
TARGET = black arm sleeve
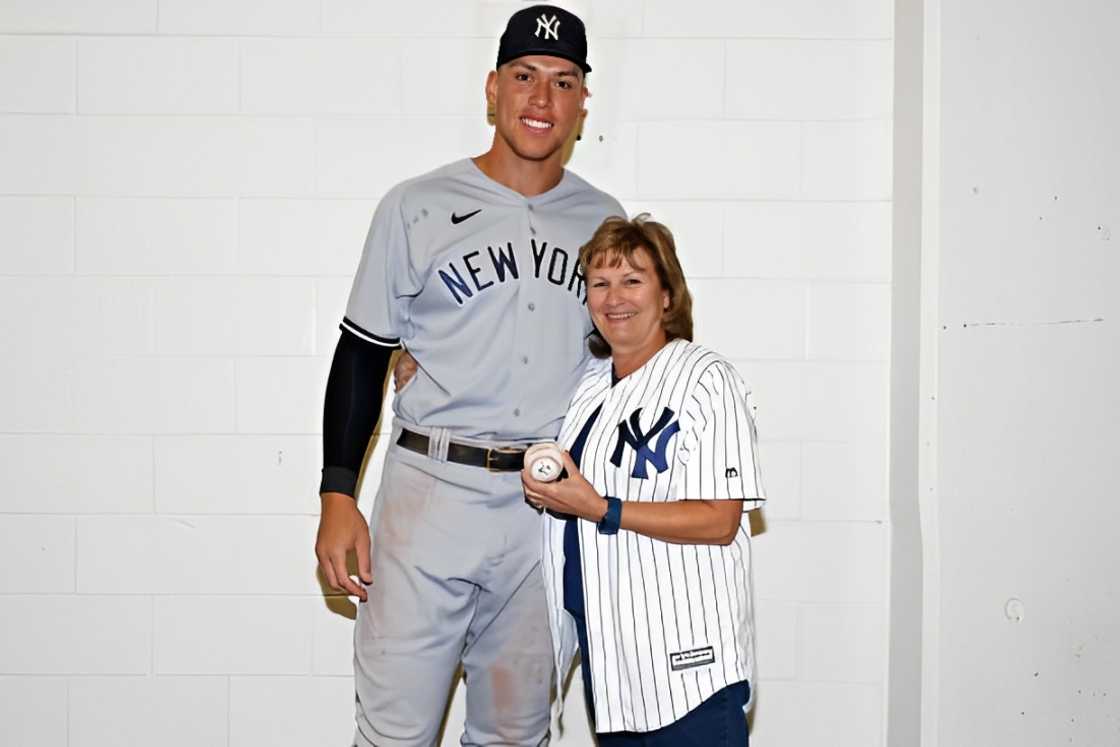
[351, 409]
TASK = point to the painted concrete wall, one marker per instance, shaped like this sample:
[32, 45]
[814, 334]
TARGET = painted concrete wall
[1023, 601]
[184, 189]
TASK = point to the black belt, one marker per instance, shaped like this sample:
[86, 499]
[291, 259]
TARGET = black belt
[495, 460]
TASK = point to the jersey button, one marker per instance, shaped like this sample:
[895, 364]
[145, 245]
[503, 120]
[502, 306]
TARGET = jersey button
[517, 412]
[532, 306]
[525, 360]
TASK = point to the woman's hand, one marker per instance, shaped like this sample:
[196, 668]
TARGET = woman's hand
[685, 522]
[572, 495]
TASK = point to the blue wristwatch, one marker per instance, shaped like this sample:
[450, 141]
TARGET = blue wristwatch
[612, 518]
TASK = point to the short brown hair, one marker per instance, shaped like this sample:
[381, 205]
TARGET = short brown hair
[618, 239]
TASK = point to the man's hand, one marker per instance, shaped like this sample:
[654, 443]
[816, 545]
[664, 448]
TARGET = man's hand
[404, 370]
[342, 528]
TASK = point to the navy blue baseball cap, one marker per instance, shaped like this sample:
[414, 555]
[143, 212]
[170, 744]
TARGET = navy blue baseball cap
[547, 30]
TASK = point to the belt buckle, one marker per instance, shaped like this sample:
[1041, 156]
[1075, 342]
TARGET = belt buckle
[505, 450]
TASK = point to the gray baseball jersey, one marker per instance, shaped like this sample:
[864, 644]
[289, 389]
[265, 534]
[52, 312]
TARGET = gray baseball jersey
[482, 285]
[668, 625]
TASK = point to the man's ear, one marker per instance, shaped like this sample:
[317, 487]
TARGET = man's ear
[491, 88]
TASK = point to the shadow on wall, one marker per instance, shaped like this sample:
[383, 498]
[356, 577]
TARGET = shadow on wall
[339, 604]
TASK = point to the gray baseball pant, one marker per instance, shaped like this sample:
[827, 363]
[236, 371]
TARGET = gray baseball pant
[456, 579]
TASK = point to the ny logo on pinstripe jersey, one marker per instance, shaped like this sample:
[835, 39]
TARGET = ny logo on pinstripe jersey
[631, 433]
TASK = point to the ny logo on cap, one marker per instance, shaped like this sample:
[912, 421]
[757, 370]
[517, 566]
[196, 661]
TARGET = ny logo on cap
[550, 27]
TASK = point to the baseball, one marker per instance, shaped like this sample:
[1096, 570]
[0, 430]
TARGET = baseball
[545, 461]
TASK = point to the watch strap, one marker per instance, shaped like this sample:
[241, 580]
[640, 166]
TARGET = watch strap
[611, 520]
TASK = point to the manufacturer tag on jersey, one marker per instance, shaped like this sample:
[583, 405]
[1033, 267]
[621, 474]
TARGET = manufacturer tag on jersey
[697, 657]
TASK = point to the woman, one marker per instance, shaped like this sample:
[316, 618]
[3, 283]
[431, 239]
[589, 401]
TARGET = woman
[646, 551]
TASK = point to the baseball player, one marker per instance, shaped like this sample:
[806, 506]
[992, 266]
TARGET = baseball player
[473, 268]
[647, 556]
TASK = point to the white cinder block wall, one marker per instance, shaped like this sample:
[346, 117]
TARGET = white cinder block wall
[184, 189]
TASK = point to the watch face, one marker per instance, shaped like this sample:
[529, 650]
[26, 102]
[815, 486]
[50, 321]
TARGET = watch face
[545, 469]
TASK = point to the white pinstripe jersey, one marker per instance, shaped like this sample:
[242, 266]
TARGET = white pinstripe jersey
[668, 625]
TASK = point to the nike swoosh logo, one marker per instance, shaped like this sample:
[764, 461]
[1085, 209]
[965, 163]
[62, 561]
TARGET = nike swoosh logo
[457, 219]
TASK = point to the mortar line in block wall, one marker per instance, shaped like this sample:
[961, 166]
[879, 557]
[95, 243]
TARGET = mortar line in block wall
[106, 277]
[801, 159]
[373, 197]
[239, 72]
[155, 500]
[807, 338]
[236, 391]
[152, 639]
[109, 277]
[74, 520]
[312, 607]
[723, 83]
[176, 434]
[73, 238]
[172, 675]
[801, 478]
[237, 253]
[151, 292]
[77, 75]
[810, 605]
[401, 82]
[163, 595]
[66, 705]
[229, 708]
[798, 641]
[329, 36]
[315, 341]
[150, 195]
[141, 515]
[316, 162]
[777, 200]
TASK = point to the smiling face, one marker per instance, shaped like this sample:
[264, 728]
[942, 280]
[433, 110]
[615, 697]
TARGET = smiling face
[538, 101]
[627, 303]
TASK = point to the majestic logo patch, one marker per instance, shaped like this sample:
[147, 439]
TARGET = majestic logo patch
[631, 433]
[457, 219]
[550, 27]
[731, 472]
[697, 657]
